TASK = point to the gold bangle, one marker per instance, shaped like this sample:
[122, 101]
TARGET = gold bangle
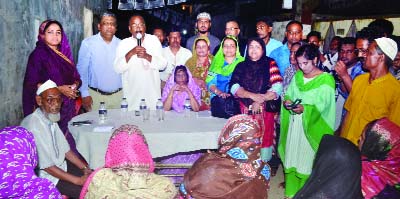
[85, 167]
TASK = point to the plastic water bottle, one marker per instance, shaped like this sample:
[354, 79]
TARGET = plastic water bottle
[187, 107]
[124, 105]
[160, 110]
[143, 108]
[102, 111]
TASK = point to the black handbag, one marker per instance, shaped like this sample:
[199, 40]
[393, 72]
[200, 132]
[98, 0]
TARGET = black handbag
[273, 105]
[224, 108]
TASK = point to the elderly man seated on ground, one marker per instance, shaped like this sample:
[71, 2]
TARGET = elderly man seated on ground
[53, 149]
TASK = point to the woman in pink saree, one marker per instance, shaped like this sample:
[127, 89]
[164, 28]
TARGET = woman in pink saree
[179, 87]
[380, 156]
[128, 171]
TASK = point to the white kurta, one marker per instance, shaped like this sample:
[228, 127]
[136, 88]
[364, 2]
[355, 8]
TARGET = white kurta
[50, 143]
[140, 78]
[180, 58]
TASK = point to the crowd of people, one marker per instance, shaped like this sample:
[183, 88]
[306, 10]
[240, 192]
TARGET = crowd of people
[330, 119]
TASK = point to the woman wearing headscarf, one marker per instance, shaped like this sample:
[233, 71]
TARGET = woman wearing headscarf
[52, 59]
[198, 65]
[179, 87]
[219, 75]
[128, 171]
[336, 171]
[235, 170]
[303, 124]
[256, 81]
[380, 150]
[19, 158]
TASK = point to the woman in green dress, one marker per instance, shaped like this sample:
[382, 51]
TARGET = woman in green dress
[303, 125]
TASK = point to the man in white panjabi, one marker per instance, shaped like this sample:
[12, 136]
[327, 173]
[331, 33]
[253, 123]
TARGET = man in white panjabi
[175, 55]
[53, 149]
[138, 59]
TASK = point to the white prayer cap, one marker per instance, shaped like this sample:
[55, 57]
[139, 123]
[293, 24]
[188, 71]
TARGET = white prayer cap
[47, 85]
[388, 46]
[204, 15]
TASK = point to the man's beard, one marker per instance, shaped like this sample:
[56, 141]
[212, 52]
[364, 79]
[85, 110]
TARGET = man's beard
[54, 117]
[203, 32]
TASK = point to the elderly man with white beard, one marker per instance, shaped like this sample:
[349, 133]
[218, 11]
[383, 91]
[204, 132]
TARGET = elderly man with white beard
[53, 149]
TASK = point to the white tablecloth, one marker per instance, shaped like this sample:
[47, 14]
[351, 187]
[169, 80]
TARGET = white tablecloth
[175, 134]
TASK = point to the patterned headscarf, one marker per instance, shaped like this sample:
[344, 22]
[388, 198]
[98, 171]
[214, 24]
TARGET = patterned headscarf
[235, 170]
[64, 47]
[19, 158]
[128, 149]
[179, 98]
[377, 173]
[241, 140]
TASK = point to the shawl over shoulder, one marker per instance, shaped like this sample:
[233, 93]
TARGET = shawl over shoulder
[318, 99]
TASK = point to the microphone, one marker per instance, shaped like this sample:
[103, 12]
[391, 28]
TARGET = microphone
[139, 39]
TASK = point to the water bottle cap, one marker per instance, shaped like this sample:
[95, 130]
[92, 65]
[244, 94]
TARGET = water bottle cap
[124, 98]
[101, 102]
[142, 99]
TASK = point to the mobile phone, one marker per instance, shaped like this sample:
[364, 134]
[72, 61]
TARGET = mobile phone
[294, 104]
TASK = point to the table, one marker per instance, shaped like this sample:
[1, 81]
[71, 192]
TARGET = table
[176, 133]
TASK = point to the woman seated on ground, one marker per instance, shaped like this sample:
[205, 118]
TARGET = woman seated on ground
[219, 75]
[198, 65]
[128, 170]
[19, 158]
[380, 150]
[336, 171]
[235, 170]
[179, 87]
[256, 81]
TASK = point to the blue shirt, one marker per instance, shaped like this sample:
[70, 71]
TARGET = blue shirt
[220, 81]
[281, 56]
[95, 65]
[356, 70]
[272, 45]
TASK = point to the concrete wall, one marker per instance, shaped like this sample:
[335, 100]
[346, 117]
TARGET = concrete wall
[19, 21]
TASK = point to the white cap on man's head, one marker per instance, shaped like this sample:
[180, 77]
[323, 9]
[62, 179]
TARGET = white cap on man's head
[204, 15]
[388, 46]
[47, 85]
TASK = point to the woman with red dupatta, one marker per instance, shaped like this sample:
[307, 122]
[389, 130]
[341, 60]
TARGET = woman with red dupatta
[52, 59]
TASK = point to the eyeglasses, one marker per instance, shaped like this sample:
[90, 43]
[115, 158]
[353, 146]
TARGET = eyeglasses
[361, 50]
[229, 46]
[112, 24]
[231, 29]
[181, 76]
[291, 33]
[347, 51]
[260, 27]
[140, 25]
